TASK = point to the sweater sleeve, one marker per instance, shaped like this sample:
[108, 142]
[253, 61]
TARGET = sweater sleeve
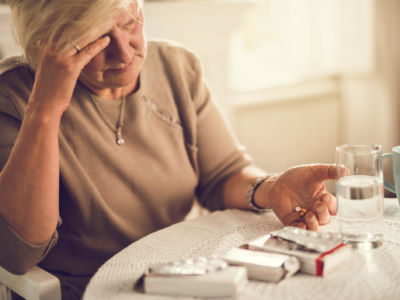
[219, 153]
[16, 254]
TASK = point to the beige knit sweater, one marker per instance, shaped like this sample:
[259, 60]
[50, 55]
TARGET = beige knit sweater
[178, 149]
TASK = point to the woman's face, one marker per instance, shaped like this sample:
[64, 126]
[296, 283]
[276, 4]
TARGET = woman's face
[119, 64]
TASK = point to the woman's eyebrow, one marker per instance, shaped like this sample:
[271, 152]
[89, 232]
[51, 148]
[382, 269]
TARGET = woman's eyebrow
[131, 21]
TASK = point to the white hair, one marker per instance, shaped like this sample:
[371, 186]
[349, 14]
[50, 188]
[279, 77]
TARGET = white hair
[61, 23]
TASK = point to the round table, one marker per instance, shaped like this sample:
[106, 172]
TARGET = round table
[372, 274]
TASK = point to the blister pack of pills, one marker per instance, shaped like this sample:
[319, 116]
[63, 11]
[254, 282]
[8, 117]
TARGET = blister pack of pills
[190, 266]
[312, 240]
[195, 277]
[319, 252]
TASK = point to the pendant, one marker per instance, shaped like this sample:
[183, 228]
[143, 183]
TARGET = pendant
[120, 141]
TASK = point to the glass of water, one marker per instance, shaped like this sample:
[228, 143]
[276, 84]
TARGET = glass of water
[359, 193]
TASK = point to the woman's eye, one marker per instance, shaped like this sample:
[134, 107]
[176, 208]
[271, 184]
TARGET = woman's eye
[132, 24]
[129, 26]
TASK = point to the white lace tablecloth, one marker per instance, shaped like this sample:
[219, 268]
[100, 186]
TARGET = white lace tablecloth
[373, 274]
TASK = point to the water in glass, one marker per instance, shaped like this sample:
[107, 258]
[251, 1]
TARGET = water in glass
[360, 209]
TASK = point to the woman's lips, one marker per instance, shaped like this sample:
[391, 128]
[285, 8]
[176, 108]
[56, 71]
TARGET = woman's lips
[124, 69]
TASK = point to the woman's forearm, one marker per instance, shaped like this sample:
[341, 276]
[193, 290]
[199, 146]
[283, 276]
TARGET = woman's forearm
[29, 182]
[237, 186]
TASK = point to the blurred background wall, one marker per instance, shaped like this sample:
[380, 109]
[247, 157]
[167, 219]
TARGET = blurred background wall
[294, 78]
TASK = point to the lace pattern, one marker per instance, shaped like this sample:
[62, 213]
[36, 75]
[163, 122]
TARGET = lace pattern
[369, 275]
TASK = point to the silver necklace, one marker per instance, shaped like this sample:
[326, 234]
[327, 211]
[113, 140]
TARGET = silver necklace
[118, 129]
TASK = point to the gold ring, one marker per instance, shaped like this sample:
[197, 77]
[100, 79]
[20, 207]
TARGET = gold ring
[78, 49]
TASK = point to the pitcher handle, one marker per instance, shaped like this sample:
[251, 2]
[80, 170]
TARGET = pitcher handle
[387, 185]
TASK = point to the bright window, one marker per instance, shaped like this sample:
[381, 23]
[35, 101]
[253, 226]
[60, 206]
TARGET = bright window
[287, 41]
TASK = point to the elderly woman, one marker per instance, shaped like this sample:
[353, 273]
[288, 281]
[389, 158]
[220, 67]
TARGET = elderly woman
[106, 137]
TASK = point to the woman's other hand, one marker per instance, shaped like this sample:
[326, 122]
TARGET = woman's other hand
[303, 187]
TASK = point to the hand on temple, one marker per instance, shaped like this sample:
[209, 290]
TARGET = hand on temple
[57, 73]
[303, 187]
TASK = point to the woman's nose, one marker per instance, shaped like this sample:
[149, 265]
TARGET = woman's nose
[120, 48]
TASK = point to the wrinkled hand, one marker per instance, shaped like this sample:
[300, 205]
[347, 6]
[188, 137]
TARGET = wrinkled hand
[301, 186]
[57, 73]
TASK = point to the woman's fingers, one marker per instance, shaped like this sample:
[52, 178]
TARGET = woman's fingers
[315, 217]
[91, 50]
[307, 221]
[293, 219]
[299, 224]
[321, 211]
[311, 221]
[330, 202]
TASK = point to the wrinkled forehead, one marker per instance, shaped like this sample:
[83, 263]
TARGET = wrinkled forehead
[127, 9]
[133, 10]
